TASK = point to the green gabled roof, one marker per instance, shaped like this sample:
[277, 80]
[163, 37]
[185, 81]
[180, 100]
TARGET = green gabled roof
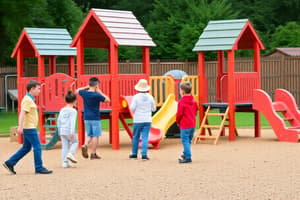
[51, 41]
[220, 35]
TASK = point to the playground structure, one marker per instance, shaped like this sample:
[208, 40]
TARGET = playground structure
[234, 89]
[45, 43]
[286, 105]
[109, 29]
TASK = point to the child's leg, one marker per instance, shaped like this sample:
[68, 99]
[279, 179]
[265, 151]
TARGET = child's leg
[96, 133]
[145, 136]
[185, 139]
[136, 137]
[74, 144]
[64, 148]
[95, 141]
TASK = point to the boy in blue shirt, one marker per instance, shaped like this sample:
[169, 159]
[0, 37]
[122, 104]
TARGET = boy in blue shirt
[92, 96]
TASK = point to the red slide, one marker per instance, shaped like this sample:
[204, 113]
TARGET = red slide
[285, 104]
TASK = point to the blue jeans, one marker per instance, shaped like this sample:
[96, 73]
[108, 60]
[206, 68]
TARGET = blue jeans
[186, 139]
[138, 130]
[93, 128]
[30, 139]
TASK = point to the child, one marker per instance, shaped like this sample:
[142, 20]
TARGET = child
[142, 105]
[92, 96]
[186, 119]
[66, 129]
[28, 121]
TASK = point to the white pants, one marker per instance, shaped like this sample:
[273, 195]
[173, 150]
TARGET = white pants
[68, 146]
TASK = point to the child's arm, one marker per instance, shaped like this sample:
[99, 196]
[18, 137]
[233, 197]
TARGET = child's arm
[153, 106]
[107, 99]
[179, 112]
[21, 121]
[133, 104]
[82, 88]
[73, 124]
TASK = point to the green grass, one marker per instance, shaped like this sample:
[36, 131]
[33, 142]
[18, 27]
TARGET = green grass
[242, 120]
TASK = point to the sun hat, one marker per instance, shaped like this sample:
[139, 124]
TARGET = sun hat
[142, 86]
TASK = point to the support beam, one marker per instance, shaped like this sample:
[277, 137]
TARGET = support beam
[52, 65]
[80, 71]
[113, 65]
[41, 78]
[71, 63]
[231, 95]
[220, 74]
[256, 53]
[146, 62]
[20, 73]
[201, 74]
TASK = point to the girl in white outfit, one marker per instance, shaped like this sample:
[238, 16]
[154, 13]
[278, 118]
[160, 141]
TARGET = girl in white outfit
[66, 128]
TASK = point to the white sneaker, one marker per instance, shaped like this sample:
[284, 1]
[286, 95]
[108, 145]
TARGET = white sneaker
[66, 165]
[71, 158]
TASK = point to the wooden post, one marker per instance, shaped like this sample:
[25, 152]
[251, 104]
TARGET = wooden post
[113, 52]
[80, 71]
[201, 74]
[146, 62]
[71, 66]
[231, 95]
[41, 78]
[20, 73]
[256, 52]
[52, 65]
[220, 74]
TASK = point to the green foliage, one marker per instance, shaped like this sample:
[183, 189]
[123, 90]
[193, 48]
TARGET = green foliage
[180, 25]
[286, 36]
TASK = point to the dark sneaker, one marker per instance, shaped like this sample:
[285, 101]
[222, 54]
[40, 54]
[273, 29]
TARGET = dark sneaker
[84, 151]
[9, 167]
[44, 171]
[94, 156]
[184, 160]
[144, 158]
[182, 156]
[132, 156]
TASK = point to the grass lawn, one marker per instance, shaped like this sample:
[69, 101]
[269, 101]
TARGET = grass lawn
[242, 120]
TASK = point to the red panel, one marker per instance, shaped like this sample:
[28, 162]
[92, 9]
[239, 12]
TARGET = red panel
[127, 83]
[56, 88]
[105, 85]
[244, 85]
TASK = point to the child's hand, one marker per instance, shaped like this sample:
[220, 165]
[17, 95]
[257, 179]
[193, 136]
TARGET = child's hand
[20, 130]
[71, 137]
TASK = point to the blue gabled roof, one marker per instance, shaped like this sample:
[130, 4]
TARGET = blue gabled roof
[51, 41]
[220, 35]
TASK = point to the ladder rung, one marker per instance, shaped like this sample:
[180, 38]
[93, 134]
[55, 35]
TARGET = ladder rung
[288, 119]
[211, 126]
[280, 110]
[207, 136]
[51, 119]
[215, 114]
[50, 126]
[295, 127]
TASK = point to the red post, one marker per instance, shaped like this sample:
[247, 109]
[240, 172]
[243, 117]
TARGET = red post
[41, 76]
[20, 73]
[52, 65]
[256, 52]
[231, 95]
[71, 66]
[146, 62]
[201, 74]
[113, 64]
[80, 71]
[220, 74]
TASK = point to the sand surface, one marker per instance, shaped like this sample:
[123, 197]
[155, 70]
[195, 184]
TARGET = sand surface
[248, 168]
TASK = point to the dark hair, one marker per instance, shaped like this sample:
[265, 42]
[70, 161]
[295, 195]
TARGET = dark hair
[70, 97]
[186, 87]
[32, 84]
[93, 81]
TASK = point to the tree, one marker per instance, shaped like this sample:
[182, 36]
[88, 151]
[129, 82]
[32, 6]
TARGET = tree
[286, 36]
[176, 27]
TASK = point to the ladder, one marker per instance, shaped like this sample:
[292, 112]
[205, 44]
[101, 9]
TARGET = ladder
[204, 125]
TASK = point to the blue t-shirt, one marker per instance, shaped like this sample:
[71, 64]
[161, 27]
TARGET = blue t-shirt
[91, 102]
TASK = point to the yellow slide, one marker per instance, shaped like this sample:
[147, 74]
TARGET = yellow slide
[166, 116]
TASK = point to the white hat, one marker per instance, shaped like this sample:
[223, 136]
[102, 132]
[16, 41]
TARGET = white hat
[142, 86]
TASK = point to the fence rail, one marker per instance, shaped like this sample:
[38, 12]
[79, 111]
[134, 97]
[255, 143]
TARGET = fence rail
[275, 73]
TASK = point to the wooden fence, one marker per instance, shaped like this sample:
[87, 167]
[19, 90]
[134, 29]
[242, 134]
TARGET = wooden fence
[275, 73]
